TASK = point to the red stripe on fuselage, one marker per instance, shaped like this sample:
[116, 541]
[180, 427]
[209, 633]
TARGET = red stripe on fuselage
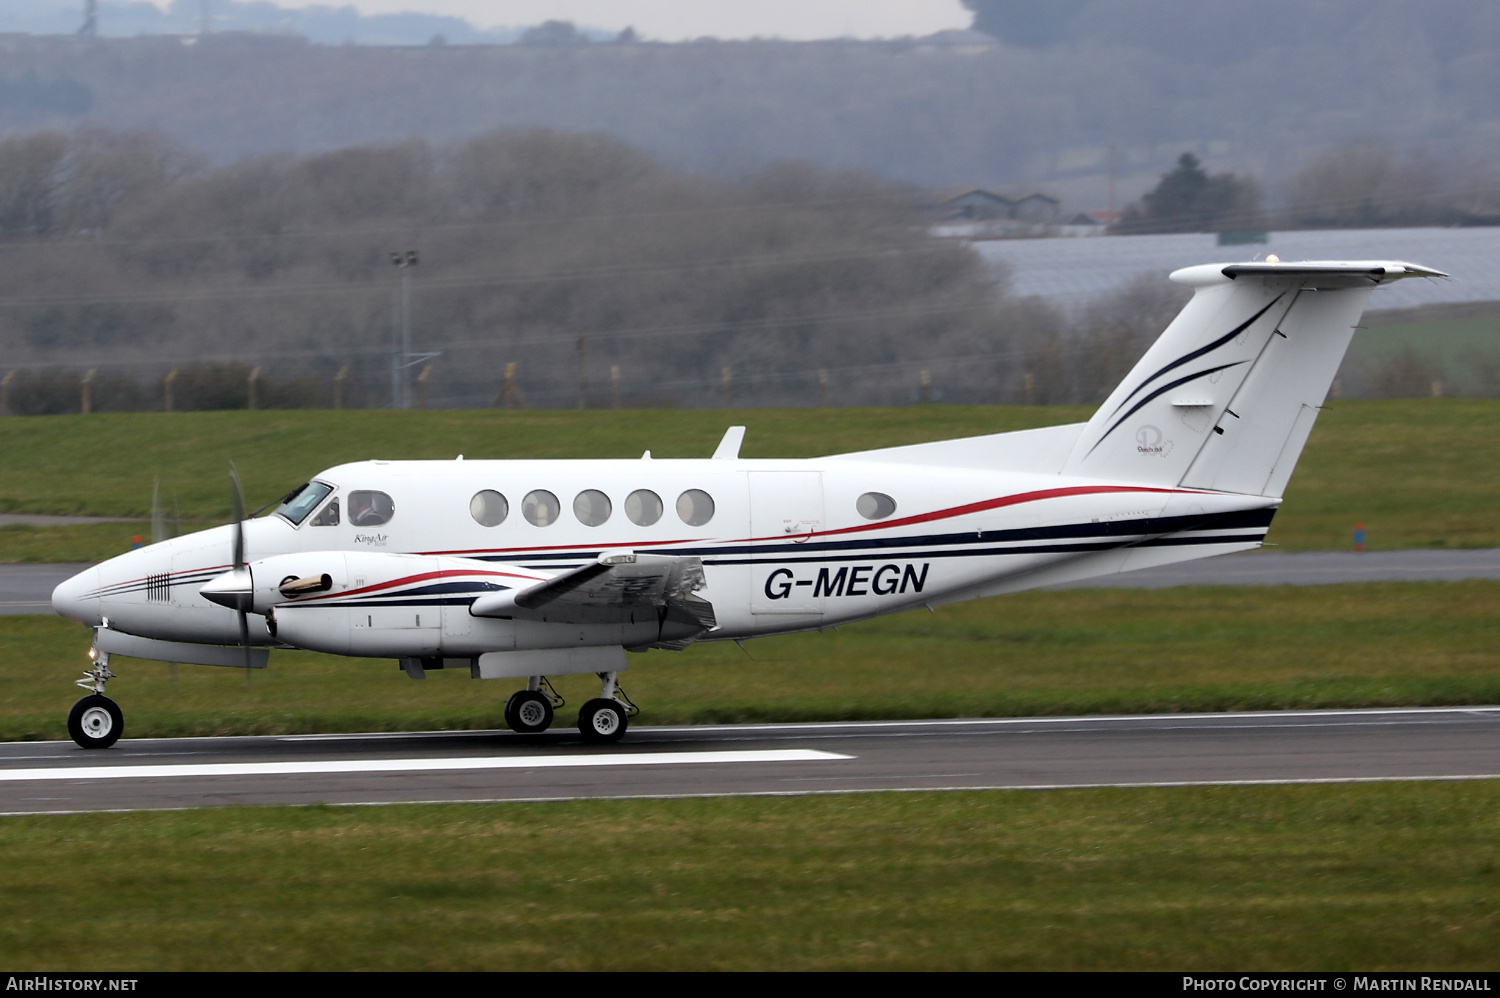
[988, 504]
[446, 573]
[941, 514]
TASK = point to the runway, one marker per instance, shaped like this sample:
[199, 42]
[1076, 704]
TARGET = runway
[760, 759]
[28, 588]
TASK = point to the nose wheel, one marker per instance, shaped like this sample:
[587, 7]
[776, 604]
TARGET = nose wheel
[96, 722]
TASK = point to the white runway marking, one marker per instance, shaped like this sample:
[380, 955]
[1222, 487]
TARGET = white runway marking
[411, 765]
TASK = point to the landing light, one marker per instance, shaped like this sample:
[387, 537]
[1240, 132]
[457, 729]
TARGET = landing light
[1272, 258]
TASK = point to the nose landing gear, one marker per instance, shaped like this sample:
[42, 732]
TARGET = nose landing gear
[96, 721]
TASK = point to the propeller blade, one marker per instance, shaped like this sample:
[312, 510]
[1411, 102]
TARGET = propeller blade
[245, 645]
[239, 563]
[239, 516]
[158, 520]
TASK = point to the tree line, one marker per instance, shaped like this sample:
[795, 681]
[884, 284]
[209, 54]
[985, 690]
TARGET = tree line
[1363, 183]
[604, 275]
[544, 269]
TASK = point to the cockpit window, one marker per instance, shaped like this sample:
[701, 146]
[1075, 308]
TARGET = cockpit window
[370, 509]
[328, 516]
[299, 502]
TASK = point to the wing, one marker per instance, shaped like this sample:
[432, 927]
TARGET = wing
[619, 587]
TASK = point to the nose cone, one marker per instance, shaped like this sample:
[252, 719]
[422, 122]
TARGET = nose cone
[78, 598]
[234, 589]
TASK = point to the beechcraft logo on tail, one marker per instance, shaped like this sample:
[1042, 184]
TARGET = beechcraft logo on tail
[851, 580]
[1148, 441]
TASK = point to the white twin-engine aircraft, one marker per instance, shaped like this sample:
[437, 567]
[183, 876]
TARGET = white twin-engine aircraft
[530, 569]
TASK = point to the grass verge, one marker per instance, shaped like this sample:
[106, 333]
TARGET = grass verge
[1416, 473]
[1073, 652]
[1357, 877]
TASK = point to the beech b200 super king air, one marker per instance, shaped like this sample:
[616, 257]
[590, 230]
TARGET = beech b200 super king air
[527, 569]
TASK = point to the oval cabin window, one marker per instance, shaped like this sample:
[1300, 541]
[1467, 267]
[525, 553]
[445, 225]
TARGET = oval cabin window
[370, 509]
[592, 507]
[643, 507]
[696, 507]
[540, 508]
[875, 505]
[489, 508]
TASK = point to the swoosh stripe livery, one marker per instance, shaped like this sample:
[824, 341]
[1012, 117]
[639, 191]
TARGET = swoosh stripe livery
[1164, 388]
[1073, 537]
[495, 554]
[1194, 355]
[1080, 538]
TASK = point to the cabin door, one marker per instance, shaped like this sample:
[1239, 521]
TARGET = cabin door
[786, 516]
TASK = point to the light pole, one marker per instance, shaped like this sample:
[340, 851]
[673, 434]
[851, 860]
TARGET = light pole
[401, 326]
[401, 355]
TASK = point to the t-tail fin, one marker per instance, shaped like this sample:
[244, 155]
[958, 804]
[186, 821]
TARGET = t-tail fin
[1226, 397]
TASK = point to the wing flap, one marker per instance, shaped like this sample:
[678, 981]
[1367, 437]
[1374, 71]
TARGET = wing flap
[620, 586]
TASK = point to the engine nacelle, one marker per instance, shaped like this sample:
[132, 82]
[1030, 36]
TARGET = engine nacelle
[408, 606]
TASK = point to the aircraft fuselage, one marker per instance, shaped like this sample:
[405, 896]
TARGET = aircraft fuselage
[786, 547]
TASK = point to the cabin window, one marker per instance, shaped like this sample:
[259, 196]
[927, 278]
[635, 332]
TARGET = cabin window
[644, 507]
[370, 509]
[696, 507]
[489, 508]
[329, 517]
[540, 508]
[592, 507]
[303, 500]
[875, 505]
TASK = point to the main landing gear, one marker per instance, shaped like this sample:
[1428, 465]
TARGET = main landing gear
[602, 720]
[96, 721]
[605, 718]
[530, 711]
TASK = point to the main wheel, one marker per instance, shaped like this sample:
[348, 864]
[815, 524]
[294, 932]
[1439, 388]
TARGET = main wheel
[96, 722]
[528, 712]
[602, 720]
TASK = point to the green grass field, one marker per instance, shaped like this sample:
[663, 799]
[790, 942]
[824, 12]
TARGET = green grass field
[1463, 349]
[1360, 877]
[1073, 652]
[1416, 473]
[1367, 877]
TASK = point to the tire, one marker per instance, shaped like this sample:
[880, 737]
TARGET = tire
[96, 722]
[602, 721]
[528, 712]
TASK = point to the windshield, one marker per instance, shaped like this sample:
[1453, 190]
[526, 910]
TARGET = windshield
[302, 501]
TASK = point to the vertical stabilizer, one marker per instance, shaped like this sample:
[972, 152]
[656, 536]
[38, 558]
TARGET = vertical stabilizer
[1226, 397]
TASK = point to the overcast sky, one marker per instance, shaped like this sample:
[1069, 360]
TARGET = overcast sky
[674, 20]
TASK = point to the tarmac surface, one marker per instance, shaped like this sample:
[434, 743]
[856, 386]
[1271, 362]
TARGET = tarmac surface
[28, 588]
[760, 759]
